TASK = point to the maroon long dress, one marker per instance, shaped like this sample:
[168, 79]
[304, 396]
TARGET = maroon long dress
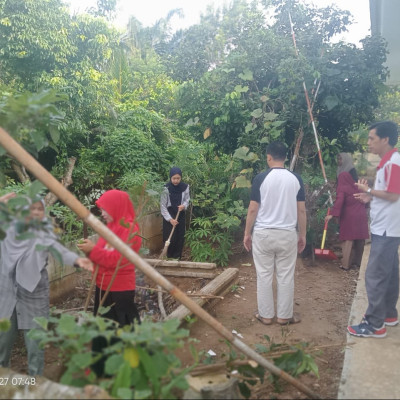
[352, 213]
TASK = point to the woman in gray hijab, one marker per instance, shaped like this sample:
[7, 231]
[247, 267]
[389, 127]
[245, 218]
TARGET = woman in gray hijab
[352, 214]
[24, 283]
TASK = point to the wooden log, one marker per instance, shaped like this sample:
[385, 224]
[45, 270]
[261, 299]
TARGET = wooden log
[215, 287]
[184, 273]
[183, 264]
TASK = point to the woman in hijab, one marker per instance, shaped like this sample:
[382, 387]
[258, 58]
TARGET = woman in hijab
[174, 197]
[352, 214]
[118, 212]
[24, 282]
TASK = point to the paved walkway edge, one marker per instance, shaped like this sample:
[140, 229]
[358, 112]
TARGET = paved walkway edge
[371, 368]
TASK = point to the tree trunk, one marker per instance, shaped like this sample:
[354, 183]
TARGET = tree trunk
[20, 171]
[66, 180]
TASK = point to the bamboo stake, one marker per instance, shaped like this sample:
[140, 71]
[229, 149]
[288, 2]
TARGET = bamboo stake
[16, 150]
[309, 109]
[89, 295]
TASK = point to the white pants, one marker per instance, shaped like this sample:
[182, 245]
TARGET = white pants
[275, 250]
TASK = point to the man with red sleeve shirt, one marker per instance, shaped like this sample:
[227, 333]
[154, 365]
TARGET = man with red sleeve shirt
[382, 273]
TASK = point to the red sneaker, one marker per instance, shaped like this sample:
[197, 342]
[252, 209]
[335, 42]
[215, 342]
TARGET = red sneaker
[391, 321]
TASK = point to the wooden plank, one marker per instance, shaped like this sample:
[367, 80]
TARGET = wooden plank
[182, 264]
[217, 285]
[184, 273]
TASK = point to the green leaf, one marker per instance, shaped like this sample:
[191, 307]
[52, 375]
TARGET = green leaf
[250, 127]
[150, 367]
[113, 363]
[241, 89]
[39, 139]
[125, 393]
[19, 201]
[82, 360]
[241, 153]
[54, 133]
[257, 113]
[331, 102]
[142, 394]
[42, 322]
[5, 324]
[260, 348]
[122, 379]
[35, 188]
[247, 75]
[67, 325]
[242, 182]
[244, 390]
[270, 116]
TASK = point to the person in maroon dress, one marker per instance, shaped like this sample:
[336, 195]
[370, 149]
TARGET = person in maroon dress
[352, 214]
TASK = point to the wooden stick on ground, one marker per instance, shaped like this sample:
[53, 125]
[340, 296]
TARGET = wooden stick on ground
[202, 295]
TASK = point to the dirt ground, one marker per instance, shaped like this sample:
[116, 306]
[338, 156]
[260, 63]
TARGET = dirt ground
[323, 297]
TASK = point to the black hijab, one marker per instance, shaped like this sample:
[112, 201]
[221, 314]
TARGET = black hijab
[175, 191]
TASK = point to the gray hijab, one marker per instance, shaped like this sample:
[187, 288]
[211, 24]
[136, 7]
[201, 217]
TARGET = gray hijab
[21, 257]
[347, 163]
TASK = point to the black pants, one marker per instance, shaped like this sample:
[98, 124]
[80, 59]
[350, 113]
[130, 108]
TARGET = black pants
[123, 310]
[175, 247]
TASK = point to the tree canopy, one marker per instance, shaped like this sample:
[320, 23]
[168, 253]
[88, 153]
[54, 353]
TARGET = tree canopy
[128, 104]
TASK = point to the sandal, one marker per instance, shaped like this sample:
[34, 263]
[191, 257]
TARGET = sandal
[265, 321]
[294, 320]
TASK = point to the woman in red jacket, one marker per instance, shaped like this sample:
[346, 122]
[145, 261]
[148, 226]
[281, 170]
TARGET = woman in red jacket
[119, 214]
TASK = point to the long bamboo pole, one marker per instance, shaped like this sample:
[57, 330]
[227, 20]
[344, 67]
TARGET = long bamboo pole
[16, 150]
[309, 110]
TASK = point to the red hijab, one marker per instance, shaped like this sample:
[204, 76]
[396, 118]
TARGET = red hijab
[119, 206]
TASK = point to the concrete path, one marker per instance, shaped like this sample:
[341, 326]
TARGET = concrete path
[371, 368]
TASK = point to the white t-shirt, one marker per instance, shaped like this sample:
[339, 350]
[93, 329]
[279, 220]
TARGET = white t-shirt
[277, 190]
[385, 215]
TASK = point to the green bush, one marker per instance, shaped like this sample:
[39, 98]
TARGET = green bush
[141, 364]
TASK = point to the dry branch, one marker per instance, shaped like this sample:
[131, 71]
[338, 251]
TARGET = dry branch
[66, 180]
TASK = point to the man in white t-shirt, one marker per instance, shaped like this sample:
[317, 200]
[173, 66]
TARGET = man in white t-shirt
[277, 207]
[382, 273]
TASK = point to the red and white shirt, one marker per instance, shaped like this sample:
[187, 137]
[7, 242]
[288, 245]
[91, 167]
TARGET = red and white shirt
[385, 215]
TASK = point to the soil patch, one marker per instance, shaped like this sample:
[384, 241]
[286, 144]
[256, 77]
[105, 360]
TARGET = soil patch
[323, 298]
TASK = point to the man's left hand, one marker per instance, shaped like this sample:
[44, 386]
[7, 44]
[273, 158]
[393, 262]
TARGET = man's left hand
[301, 244]
[247, 242]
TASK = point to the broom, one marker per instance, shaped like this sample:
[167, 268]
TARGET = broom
[322, 253]
[168, 241]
